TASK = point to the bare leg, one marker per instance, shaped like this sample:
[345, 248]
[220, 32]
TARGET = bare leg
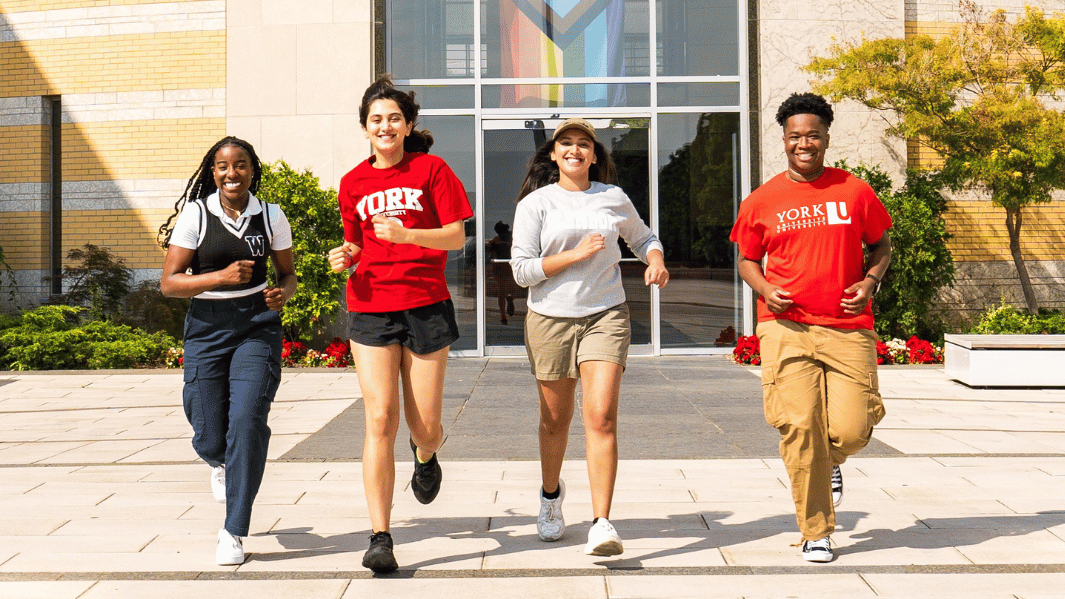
[378, 371]
[556, 412]
[601, 386]
[423, 393]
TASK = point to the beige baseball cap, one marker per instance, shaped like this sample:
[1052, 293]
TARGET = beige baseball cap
[575, 123]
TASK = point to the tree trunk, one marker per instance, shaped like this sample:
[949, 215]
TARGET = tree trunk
[1013, 225]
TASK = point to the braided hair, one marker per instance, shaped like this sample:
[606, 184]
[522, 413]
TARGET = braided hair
[384, 89]
[202, 184]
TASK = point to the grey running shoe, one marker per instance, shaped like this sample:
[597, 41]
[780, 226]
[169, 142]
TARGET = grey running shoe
[550, 524]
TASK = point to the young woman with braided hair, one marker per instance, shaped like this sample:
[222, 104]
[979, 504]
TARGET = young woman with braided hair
[216, 254]
[403, 209]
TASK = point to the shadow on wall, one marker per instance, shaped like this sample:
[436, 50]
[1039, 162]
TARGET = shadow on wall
[123, 162]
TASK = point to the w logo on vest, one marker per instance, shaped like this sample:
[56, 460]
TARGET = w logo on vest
[256, 244]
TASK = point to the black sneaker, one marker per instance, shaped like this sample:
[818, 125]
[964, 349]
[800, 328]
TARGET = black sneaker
[837, 486]
[426, 480]
[379, 556]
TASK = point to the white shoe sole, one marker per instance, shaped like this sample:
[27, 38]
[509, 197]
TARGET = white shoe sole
[605, 549]
[820, 557]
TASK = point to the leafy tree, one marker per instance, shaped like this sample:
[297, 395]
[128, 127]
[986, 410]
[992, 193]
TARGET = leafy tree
[976, 96]
[99, 281]
[316, 228]
[921, 263]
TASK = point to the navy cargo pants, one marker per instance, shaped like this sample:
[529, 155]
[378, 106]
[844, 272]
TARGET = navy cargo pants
[232, 371]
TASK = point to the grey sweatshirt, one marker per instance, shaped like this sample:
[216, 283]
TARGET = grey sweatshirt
[552, 220]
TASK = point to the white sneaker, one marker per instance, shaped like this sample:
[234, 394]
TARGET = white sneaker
[230, 549]
[837, 486]
[550, 524]
[603, 539]
[817, 551]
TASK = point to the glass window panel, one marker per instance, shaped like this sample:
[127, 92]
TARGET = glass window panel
[565, 38]
[430, 39]
[698, 37]
[566, 96]
[454, 141]
[443, 96]
[699, 94]
[698, 193]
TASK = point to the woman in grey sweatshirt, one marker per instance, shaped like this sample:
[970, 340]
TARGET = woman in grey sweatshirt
[565, 250]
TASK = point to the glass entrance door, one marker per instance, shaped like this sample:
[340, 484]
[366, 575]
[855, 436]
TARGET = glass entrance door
[509, 145]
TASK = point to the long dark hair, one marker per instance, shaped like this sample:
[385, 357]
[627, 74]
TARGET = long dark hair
[543, 171]
[202, 184]
[384, 89]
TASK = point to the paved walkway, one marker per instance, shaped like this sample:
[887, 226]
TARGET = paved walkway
[962, 494]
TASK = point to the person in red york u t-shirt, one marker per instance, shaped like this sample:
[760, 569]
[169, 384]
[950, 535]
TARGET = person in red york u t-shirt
[811, 225]
[403, 210]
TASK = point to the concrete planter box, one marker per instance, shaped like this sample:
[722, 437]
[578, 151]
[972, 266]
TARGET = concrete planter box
[1005, 360]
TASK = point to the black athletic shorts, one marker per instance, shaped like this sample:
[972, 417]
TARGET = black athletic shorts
[423, 330]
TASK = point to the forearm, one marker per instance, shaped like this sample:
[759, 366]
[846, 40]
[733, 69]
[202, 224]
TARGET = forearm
[751, 273]
[185, 285]
[451, 236]
[559, 262]
[880, 257]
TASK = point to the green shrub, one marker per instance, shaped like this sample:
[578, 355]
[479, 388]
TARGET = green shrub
[921, 263]
[99, 281]
[316, 228]
[147, 308]
[52, 338]
[1007, 320]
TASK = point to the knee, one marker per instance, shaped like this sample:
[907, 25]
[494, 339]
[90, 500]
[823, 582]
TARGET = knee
[382, 423]
[852, 438]
[554, 424]
[600, 422]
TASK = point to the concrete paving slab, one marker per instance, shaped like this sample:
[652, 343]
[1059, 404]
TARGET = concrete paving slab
[45, 590]
[219, 589]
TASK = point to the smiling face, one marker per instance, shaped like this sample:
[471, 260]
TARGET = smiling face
[805, 142]
[386, 127]
[574, 153]
[233, 173]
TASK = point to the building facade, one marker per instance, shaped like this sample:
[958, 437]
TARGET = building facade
[107, 107]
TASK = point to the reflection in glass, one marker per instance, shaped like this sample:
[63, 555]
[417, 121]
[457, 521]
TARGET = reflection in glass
[506, 157]
[699, 94]
[698, 37]
[443, 96]
[698, 186]
[566, 96]
[565, 38]
[454, 142]
[430, 39]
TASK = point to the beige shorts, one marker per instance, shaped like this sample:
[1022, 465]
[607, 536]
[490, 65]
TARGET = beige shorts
[557, 346]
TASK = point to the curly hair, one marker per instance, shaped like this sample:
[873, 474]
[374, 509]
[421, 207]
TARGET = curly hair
[384, 89]
[202, 184]
[806, 103]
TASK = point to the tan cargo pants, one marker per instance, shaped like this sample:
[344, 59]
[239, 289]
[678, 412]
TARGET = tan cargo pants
[821, 392]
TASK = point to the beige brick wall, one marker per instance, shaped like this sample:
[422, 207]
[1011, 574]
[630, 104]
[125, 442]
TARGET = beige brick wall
[979, 230]
[156, 149]
[176, 60]
[143, 89]
[10, 6]
[130, 234]
[23, 153]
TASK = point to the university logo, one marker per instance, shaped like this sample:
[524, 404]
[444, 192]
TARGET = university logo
[256, 244]
[817, 215]
[397, 199]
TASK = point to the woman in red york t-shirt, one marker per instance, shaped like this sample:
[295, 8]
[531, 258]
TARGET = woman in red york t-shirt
[403, 210]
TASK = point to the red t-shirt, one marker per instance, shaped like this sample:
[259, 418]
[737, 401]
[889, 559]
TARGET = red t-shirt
[423, 193]
[813, 234]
